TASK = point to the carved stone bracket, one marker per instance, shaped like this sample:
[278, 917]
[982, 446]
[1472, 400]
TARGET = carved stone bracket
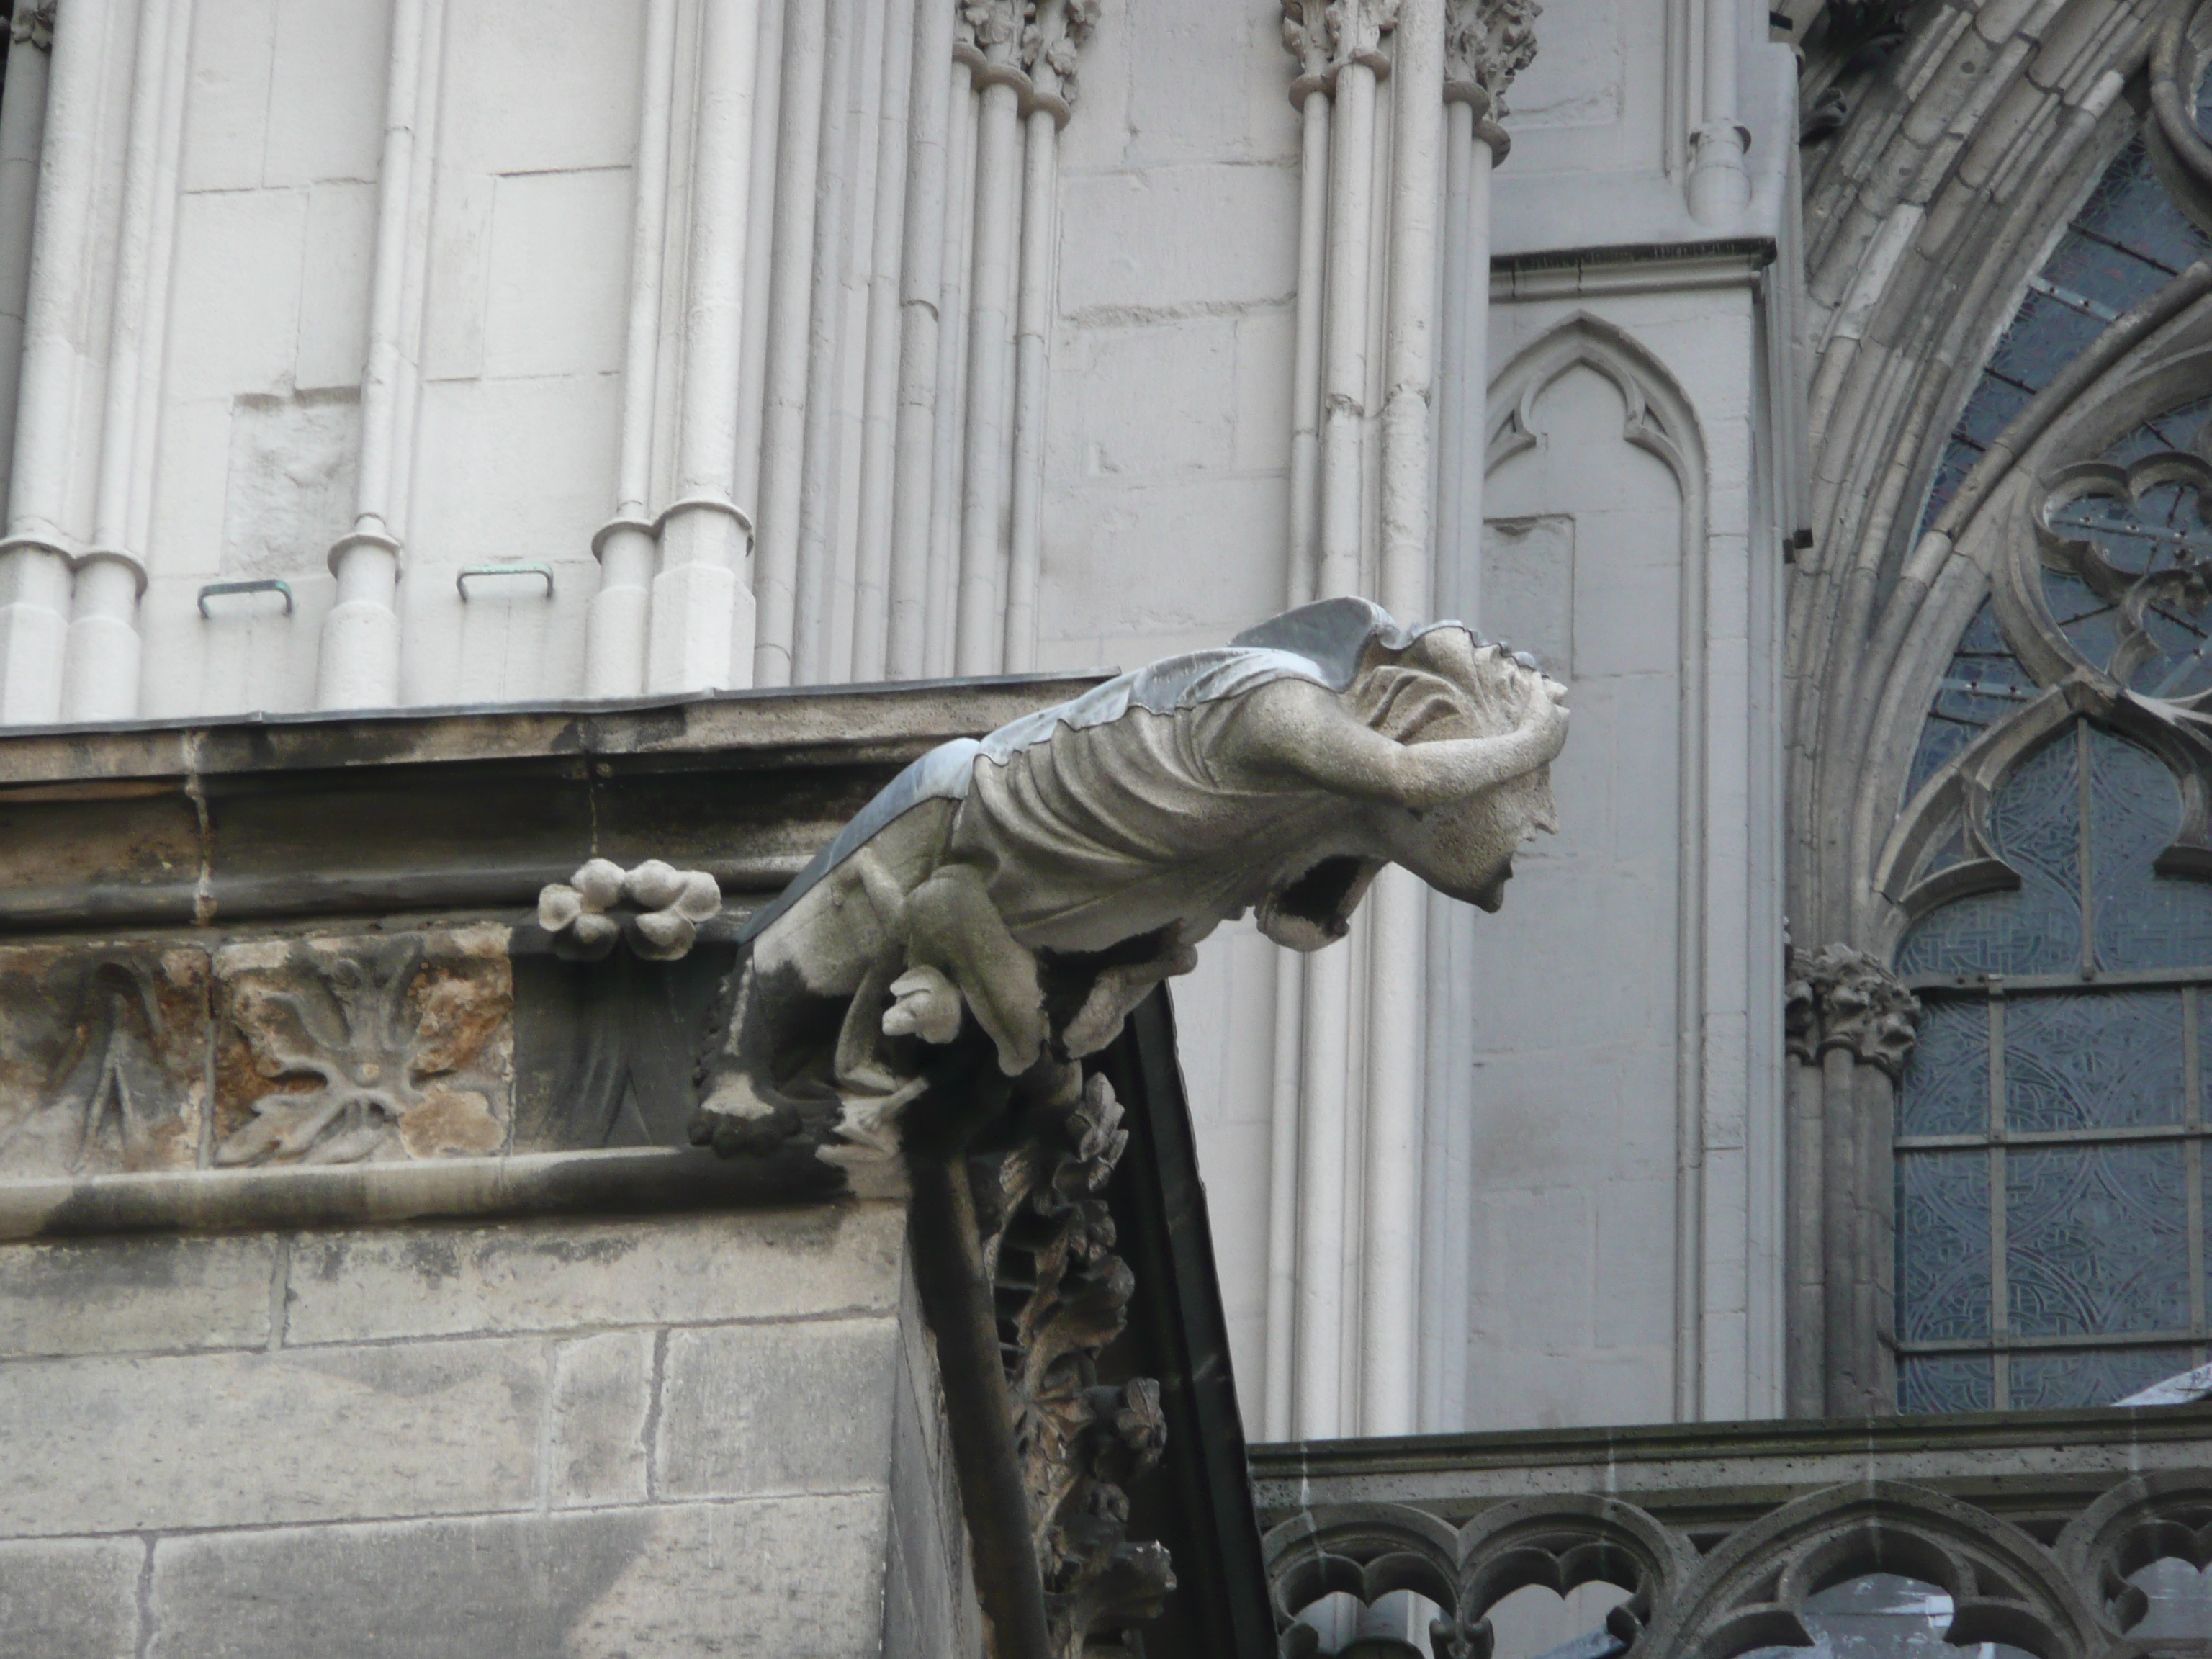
[1014, 1260]
[1061, 1296]
[1840, 998]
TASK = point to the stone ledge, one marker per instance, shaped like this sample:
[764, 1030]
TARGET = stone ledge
[1713, 1472]
[875, 721]
[645, 1179]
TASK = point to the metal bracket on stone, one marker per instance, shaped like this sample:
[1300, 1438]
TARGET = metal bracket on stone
[656, 907]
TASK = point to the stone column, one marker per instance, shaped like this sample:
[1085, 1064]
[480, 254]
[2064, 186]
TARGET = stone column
[928, 193]
[1377, 1005]
[101, 680]
[994, 56]
[1049, 51]
[359, 664]
[1720, 185]
[36, 554]
[702, 608]
[615, 628]
[1851, 1026]
[23, 131]
[1487, 43]
[791, 294]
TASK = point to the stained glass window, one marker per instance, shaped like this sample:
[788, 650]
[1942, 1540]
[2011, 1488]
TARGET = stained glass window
[2050, 1168]
[2127, 242]
[2052, 1179]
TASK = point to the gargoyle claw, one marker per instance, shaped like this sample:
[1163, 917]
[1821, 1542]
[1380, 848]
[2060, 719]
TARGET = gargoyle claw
[926, 1004]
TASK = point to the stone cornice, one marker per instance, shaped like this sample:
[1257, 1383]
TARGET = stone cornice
[189, 823]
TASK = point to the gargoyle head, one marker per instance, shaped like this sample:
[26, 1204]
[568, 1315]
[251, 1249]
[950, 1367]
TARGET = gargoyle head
[1445, 685]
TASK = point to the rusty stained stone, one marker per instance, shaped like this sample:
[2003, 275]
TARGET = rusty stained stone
[103, 1058]
[334, 1050]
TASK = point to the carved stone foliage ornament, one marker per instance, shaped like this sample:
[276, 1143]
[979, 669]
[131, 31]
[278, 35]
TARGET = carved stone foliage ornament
[1030, 45]
[1487, 43]
[131, 1057]
[335, 1051]
[656, 907]
[1324, 35]
[1061, 1297]
[1840, 998]
[34, 25]
[1034, 886]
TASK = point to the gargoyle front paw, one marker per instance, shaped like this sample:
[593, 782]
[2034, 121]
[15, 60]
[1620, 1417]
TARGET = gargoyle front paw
[732, 1136]
[925, 1003]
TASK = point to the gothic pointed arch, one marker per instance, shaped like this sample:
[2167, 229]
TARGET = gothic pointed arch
[1366, 1551]
[1750, 1592]
[1659, 417]
[2000, 782]
[1561, 1542]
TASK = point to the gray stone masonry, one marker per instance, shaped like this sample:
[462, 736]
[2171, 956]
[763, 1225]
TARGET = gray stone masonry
[709, 1433]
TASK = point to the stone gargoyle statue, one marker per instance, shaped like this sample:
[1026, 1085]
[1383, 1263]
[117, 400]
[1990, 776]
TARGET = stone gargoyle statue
[1034, 886]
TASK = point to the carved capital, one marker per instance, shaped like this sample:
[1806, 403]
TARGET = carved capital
[1487, 43]
[1324, 35]
[991, 29]
[34, 25]
[1839, 998]
[1054, 34]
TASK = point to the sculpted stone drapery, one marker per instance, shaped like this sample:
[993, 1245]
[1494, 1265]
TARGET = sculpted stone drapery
[1034, 886]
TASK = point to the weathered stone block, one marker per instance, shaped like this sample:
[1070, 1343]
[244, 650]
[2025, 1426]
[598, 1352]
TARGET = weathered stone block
[601, 1407]
[776, 1579]
[563, 1275]
[103, 1058]
[111, 1445]
[72, 1600]
[752, 1409]
[334, 1050]
[121, 1295]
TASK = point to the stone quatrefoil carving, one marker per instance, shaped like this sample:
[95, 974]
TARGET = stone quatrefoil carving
[2123, 642]
[2070, 1600]
[2176, 588]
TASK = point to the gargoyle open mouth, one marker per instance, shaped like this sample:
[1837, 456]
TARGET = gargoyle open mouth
[1315, 909]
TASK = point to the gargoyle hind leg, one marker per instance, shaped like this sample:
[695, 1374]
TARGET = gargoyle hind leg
[1119, 989]
[953, 926]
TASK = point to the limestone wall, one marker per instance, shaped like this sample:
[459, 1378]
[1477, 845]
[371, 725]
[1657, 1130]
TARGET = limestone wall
[699, 1434]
